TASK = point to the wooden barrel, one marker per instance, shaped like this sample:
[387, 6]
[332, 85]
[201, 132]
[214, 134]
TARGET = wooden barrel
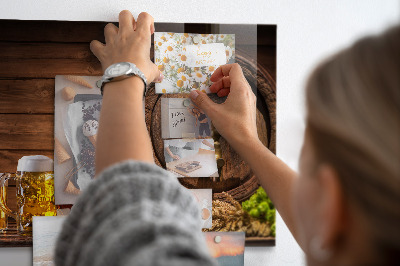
[236, 177]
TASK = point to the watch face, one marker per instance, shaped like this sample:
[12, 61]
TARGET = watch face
[118, 69]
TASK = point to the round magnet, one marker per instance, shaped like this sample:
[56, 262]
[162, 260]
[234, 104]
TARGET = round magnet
[98, 83]
[217, 239]
[187, 102]
[196, 39]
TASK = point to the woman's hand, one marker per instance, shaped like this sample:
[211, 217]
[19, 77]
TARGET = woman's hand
[130, 42]
[235, 119]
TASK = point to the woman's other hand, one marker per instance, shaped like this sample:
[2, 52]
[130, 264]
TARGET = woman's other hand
[235, 119]
[130, 42]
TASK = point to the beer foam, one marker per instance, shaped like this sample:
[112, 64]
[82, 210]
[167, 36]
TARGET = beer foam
[35, 163]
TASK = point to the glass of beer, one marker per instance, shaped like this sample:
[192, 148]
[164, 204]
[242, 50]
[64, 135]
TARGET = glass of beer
[35, 191]
[3, 197]
[7, 189]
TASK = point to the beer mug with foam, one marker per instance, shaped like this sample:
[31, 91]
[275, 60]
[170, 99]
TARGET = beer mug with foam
[35, 191]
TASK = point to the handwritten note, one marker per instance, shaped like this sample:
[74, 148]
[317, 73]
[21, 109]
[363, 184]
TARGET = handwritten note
[205, 55]
[176, 120]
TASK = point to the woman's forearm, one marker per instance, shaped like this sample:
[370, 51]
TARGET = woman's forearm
[236, 121]
[274, 175]
[122, 131]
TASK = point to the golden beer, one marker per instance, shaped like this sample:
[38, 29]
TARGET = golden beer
[35, 191]
[4, 191]
[35, 197]
[3, 215]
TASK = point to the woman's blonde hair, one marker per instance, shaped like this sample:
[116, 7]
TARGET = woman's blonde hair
[353, 105]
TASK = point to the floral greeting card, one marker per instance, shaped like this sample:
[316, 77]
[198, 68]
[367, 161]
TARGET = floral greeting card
[188, 60]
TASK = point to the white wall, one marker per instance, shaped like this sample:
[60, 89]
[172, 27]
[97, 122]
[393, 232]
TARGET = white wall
[307, 32]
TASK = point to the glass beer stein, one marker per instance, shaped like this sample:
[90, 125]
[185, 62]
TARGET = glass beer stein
[3, 195]
[35, 191]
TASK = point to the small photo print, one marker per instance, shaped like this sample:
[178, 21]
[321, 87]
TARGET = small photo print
[226, 247]
[204, 199]
[77, 105]
[45, 232]
[188, 60]
[191, 157]
[180, 118]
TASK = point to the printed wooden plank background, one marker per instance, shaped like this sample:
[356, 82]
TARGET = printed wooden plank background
[33, 52]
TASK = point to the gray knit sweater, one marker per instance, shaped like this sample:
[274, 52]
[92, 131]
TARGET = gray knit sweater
[134, 213]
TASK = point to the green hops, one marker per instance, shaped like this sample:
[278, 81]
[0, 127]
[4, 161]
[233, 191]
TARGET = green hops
[260, 206]
[254, 212]
[273, 230]
[270, 216]
[263, 207]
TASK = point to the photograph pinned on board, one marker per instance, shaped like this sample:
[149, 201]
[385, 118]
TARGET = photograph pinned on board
[77, 103]
[191, 157]
[188, 60]
[45, 233]
[204, 199]
[180, 118]
[226, 247]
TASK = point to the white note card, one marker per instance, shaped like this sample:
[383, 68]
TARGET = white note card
[210, 54]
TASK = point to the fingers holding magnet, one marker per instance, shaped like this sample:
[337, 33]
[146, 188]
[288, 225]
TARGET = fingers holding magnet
[223, 92]
[231, 70]
[223, 83]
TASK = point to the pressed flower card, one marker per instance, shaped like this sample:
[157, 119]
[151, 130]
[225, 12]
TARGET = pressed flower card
[188, 60]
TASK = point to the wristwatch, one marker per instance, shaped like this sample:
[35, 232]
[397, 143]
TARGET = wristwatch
[120, 71]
